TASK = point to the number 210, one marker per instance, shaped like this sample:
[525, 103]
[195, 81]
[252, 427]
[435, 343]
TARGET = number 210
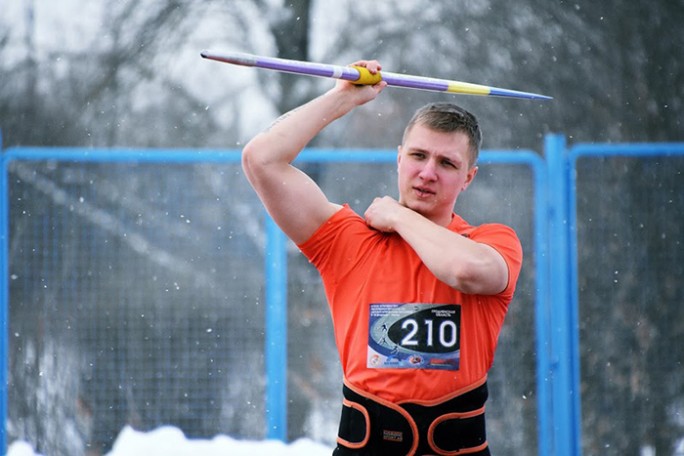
[448, 334]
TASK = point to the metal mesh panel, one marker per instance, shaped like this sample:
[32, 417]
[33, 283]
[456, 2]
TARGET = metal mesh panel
[631, 264]
[135, 298]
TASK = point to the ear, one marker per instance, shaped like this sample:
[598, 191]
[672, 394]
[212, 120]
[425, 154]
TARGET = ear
[470, 177]
[398, 155]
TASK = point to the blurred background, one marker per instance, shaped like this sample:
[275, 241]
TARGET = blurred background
[128, 73]
[136, 289]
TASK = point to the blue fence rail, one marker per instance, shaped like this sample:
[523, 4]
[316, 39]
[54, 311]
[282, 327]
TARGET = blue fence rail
[556, 297]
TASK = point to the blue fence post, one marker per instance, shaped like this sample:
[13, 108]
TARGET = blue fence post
[276, 331]
[542, 312]
[573, 303]
[564, 352]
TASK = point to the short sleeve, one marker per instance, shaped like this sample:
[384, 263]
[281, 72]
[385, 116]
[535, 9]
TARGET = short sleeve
[505, 241]
[336, 245]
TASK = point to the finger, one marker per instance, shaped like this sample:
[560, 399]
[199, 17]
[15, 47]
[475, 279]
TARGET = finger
[373, 66]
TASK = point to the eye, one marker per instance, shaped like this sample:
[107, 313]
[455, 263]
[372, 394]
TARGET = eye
[449, 164]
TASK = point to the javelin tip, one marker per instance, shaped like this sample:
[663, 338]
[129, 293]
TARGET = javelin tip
[236, 58]
[499, 92]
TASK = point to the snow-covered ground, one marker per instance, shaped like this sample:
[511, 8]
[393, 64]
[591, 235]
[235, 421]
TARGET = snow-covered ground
[170, 441]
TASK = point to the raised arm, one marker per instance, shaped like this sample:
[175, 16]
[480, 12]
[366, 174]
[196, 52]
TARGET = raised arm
[461, 263]
[291, 197]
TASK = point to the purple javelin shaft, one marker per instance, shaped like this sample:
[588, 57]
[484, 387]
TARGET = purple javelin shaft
[352, 74]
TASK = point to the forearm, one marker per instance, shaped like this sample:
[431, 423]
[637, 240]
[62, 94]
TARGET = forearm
[460, 262]
[284, 140]
[289, 134]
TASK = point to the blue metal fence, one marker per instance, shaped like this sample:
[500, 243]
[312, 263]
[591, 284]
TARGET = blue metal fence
[556, 297]
[563, 409]
[276, 262]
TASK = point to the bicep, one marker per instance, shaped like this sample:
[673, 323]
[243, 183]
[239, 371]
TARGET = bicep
[495, 276]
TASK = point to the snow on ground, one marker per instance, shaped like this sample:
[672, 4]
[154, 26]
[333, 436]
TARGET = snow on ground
[170, 441]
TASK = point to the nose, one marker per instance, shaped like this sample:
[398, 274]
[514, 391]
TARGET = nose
[429, 170]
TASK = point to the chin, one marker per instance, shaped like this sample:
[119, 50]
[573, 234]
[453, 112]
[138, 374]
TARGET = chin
[423, 209]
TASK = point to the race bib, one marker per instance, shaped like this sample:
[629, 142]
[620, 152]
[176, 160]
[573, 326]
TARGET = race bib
[414, 336]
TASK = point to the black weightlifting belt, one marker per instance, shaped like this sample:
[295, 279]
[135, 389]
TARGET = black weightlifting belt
[371, 426]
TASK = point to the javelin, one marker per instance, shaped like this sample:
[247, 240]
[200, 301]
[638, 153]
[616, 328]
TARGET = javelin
[360, 75]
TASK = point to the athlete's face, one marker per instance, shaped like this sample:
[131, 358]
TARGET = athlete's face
[433, 170]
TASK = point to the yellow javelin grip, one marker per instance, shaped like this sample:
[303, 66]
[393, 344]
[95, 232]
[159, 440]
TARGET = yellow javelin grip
[366, 77]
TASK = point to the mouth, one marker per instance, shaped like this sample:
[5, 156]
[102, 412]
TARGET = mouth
[423, 192]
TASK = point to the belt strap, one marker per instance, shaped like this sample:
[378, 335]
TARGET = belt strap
[372, 426]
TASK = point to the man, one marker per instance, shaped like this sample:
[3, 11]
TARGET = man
[417, 295]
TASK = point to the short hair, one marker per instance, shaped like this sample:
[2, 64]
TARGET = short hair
[449, 118]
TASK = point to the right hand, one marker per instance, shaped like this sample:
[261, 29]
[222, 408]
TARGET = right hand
[363, 93]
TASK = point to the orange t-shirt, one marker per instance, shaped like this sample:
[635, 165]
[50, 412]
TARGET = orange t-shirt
[376, 286]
